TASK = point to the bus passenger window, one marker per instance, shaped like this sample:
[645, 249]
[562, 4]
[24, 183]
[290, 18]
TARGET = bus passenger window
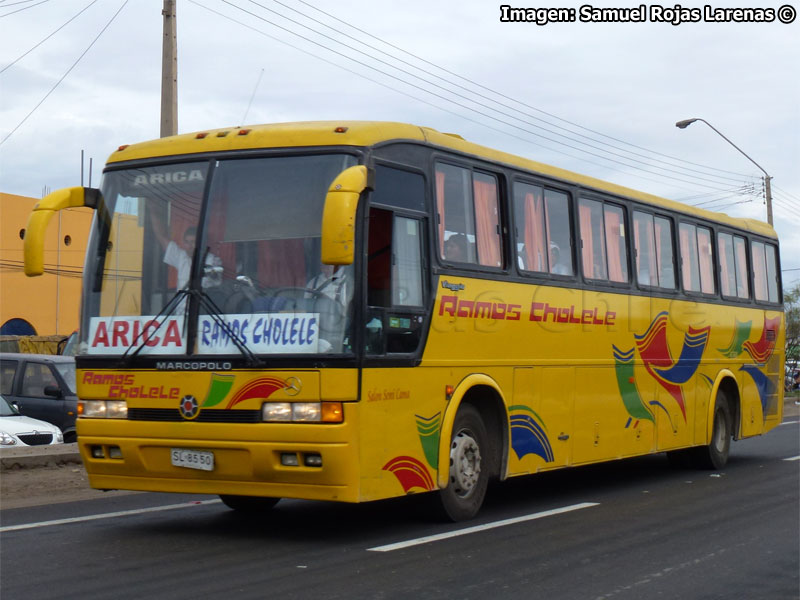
[652, 241]
[593, 248]
[615, 241]
[733, 266]
[603, 246]
[765, 284]
[559, 237]
[665, 253]
[467, 211]
[529, 227]
[742, 280]
[487, 220]
[727, 275]
[697, 259]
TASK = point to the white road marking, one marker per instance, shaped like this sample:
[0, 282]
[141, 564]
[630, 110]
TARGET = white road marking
[790, 423]
[478, 528]
[793, 458]
[112, 515]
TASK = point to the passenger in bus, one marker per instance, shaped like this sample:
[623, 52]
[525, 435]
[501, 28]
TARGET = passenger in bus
[557, 266]
[330, 293]
[179, 256]
[456, 248]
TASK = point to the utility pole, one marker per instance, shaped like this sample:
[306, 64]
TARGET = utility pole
[169, 72]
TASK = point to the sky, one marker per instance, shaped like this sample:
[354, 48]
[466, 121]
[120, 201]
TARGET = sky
[598, 98]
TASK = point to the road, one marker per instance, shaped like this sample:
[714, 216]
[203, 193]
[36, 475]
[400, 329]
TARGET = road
[631, 529]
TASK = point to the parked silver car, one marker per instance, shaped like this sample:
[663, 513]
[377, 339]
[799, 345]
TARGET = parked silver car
[17, 430]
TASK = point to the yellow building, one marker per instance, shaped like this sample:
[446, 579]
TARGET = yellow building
[48, 304]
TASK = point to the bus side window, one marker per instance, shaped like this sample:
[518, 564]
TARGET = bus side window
[603, 246]
[543, 236]
[665, 254]
[468, 216]
[395, 292]
[765, 272]
[652, 242]
[732, 266]
[697, 258]
[529, 227]
[559, 236]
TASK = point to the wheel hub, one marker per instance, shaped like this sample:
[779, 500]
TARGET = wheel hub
[465, 463]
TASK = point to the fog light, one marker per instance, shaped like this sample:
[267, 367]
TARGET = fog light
[313, 460]
[115, 452]
[289, 459]
[97, 452]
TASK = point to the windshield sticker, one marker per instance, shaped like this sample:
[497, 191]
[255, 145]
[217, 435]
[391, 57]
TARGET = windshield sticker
[115, 335]
[261, 333]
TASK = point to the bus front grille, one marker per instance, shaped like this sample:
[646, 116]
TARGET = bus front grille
[205, 416]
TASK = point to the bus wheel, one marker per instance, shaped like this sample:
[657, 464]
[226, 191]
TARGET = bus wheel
[467, 481]
[248, 503]
[715, 455]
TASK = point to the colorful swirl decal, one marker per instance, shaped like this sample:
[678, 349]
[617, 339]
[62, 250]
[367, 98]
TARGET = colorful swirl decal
[527, 435]
[410, 472]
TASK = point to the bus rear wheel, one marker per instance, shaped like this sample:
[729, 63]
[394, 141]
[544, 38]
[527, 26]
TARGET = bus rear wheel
[468, 473]
[248, 503]
[715, 455]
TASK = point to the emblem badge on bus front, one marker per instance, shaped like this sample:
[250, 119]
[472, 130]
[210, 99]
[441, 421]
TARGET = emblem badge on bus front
[293, 386]
[189, 407]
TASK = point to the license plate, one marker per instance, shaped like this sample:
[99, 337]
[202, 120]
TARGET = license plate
[192, 459]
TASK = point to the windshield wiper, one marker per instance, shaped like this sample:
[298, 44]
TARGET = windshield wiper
[213, 311]
[165, 312]
[216, 314]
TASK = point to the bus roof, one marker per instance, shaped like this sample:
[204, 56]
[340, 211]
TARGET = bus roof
[369, 133]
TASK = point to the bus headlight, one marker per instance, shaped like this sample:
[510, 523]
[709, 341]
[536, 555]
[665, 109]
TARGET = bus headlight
[103, 409]
[276, 411]
[302, 412]
[306, 412]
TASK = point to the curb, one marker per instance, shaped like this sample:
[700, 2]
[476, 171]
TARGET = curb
[32, 457]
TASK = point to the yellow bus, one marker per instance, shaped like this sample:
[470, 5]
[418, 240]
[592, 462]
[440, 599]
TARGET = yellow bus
[355, 311]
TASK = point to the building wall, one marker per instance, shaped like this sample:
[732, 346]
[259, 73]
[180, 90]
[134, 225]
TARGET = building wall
[50, 303]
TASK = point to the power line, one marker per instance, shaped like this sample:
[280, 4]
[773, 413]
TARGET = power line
[52, 89]
[429, 92]
[476, 102]
[21, 9]
[489, 89]
[16, 60]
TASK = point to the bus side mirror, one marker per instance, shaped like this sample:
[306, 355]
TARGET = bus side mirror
[40, 217]
[339, 215]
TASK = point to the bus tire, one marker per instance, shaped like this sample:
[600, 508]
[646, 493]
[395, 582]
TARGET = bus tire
[715, 455]
[248, 503]
[469, 462]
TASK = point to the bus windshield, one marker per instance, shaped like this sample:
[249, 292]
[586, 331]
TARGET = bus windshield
[238, 238]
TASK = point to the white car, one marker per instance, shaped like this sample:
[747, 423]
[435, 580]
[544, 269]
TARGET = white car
[17, 431]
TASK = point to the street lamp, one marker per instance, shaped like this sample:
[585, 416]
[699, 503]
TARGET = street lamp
[768, 190]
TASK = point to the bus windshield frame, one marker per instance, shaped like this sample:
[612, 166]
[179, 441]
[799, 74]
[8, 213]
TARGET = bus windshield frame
[216, 256]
